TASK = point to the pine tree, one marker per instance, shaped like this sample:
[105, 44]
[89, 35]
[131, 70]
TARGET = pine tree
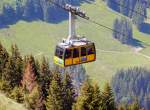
[32, 100]
[9, 75]
[19, 9]
[54, 100]
[38, 9]
[125, 27]
[108, 98]
[30, 74]
[45, 77]
[45, 7]
[3, 59]
[17, 94]
[18, 62]
[138, 19]
[12, 74]
[9, 15]
[121, 107]
[29, 13]
[116, 27]
[89, 98]
[37, 66]
[68, 92]
[134, 106]
[97, 98]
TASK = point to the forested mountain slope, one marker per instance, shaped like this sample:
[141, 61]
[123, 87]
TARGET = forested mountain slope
[111, 54]
[39, 38]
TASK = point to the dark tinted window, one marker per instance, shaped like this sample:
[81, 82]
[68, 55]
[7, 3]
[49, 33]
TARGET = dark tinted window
[75, 53]
[83, 51]
[90, 50]
[68, 53]
[59, 52]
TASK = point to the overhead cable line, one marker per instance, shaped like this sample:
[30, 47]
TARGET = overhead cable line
[90, 20]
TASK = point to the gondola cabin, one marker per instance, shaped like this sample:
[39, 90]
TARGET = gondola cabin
[77, 52]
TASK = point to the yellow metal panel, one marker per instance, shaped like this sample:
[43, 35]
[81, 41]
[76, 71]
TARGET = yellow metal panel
[68, 62]
[58, 61]
[76, 61]
[90, 57]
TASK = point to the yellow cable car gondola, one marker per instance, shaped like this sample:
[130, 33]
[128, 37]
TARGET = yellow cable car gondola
[77, 53]
[75, 50]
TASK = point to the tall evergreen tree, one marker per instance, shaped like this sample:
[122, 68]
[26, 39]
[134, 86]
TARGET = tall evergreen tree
[17, 94]
[30, 74]
[108, 98]
[68, 92]
[134, 106]
[32, 100]
[138, 19]
[9, 15]
[45, 7]
[9, 75]
[89, 98]
[19, 9]
[29, 13]
[124, 31]
[3, 59]
[55, 98]
[12, 74]
[38, 9]
[45, 77]
[18, 62]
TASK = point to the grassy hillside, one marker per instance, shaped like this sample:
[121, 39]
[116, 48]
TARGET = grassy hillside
[8, 104]
[39, 38]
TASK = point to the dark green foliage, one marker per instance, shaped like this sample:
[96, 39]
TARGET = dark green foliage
[38, 10]
[17, 94]
[44, 80]
[18, 62]
[135, 9]
[89, 98]
[131, 83]
[12, 74]
[138, 19]
[108, 98]
[134, 106]
[8, 14]
[68, 92]
[3, 59]
[19, 9]
[5, 87]
[54, 100]
[32, 100]
[29, 10]
[9, 75]
[124, 31]
[121, 107]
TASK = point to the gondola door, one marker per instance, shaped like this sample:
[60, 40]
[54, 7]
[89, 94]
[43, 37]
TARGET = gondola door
[83, 54]
[68, 57]
[76, 58]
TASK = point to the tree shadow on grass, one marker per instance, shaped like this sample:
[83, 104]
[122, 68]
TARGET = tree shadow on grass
[135, 43]
[145, 28]
[55, 14]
